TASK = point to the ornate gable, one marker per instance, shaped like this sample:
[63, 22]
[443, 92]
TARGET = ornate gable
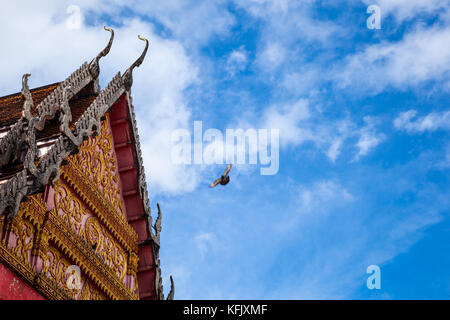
[65, 215]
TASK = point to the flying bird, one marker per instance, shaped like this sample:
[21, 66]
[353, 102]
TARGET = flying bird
[224, 179]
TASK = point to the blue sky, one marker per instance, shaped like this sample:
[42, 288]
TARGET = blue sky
[364, 124]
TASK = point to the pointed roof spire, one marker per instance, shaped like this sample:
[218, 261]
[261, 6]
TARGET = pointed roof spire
[26, 113]
[172, 290]
[128, 75]
[94, 67]
[157, 225]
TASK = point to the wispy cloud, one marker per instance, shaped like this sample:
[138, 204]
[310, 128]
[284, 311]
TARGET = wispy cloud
[407, 9]
[204, 242]
[288, 118]
[322, 194]
[237, 61]
[433, 121]
[369, 138]
[419, 57]
[314, 228]
[301, 122]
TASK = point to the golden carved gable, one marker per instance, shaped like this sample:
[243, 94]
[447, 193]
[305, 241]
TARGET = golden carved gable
[86, 228]
[96, 161]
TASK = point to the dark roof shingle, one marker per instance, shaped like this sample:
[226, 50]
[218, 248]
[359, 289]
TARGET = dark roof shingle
[11, 105]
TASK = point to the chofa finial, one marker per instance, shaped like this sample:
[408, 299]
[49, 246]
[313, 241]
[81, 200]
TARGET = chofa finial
[172, 290]
[157, 225]
[26, 112]
[128, 75]
[94, 67]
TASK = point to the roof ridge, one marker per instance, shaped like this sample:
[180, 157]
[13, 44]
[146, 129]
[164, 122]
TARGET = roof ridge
[33, 177]
[34, 90]
[46, 109]
[18, 186]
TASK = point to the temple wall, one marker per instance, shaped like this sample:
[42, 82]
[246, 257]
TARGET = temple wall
[14, 288]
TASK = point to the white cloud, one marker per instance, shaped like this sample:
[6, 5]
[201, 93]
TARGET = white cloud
[369, 138]
[300, 123]
[367, 142]
[420, 56]
[431, 122]
[307, 81]
[321, 194]
[204, 242]
[192, 22]
[40, 43]
[335, 149]
[290, 20]
[288, 118]
[237, 61]
[407, 9]
[314, 202]
[285, 25]
[271, 57]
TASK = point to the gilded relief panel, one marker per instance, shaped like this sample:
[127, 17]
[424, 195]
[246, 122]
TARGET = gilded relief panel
[78, 216]
[95, 234]
[17, 235]
[96, 159]
[57, 267]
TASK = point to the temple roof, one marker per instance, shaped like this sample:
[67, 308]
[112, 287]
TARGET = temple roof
[11, 105]
[40, 128]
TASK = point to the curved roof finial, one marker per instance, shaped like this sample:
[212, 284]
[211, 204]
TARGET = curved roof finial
[128, 75]
[94, 67]
[172, 290]
[157, 225]
[26, 113]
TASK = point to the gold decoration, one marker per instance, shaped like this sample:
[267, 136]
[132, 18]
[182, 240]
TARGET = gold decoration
[96, 159]
[69, 208]
[55, 267]
[106, 247]
[17, 255]
[87, 228]
[92, 174]
[133, 261]
[23, 231]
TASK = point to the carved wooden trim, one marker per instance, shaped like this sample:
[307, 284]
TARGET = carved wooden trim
[33, 178]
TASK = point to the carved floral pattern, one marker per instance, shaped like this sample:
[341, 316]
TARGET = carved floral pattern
[62, 238]
[106, 247]
[69, 208]
[55, 267]
[76, 237]
[18, 237]
[96, 159]
[76, 215]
